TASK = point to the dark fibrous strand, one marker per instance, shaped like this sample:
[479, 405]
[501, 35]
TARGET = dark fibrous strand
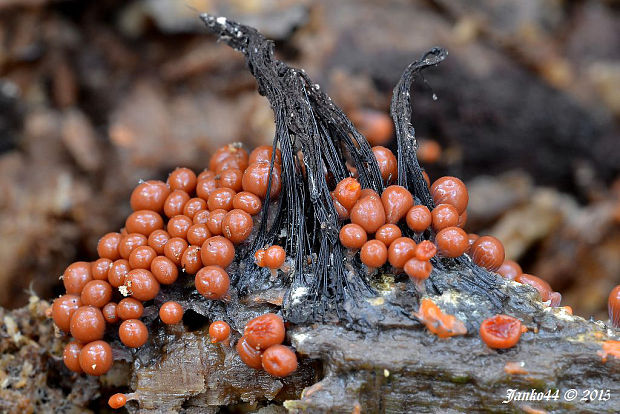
[317, 141]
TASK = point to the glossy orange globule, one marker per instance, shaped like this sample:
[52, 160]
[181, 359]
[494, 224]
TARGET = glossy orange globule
[279, 361]
[418, 269]
[179, 225]
[387, 163]
[99, 268]
[96, 358]
[144, 222]
[175, 248]
[212, 282]
[444, 215]
[500, 331]
[256, 179]
[248, 202]
[171, 313]
[133, 333]
[450, 190]
[87, 324]
[217, 250]
[149, 195]
[175, 203]
[388, 233]
[265, 330]
[191, 261]
[488, 252]
[108, 246]
[164, 270]
[237, 225]
[117, 401]
[537, 283]
[368, 212]
[400, 251]
[353, 236]
[509, 269]
[374, 253]
[347, 192]
[142, 284]
[129, 308]
[396, 201]
[452, 242]
[219, 331]
[63, 309]
[76, 276]
[249, 354]
[613, 306]
[419, 218]
[96, 293]
[71, 356]
[157, 240]
[182, 179]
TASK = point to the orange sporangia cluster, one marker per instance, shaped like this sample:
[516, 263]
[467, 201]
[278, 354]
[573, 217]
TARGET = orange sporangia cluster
[261, 347]
[189, 225]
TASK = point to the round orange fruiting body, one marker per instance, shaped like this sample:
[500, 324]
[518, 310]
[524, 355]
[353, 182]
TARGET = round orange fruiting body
[500, 331]
[425, 250]
[488, 252]
[237, 226]
[96, 293]
[71, 356]
[212, 282]
[274, 257]
[249, 354]
[164, 270]
[265, 330]
[537, 283]
[374, 253]
[117, 401]
[218, 251]
[76, 276]
[149, 195]
[397, 201]
[443, 216]
[182, 179]
[452, 242]
[388, 166]
[353, 236]
[388, 233]
[129, 308]
[107, 247]
[171, 313]
[418, 269]
[347, 192]
[401, 250]
[191, 261]
[96, 358]
[509, 269]
[87, 324]
[613, 306]
[450, 190]
[142, 284]
[368, 212]
[133, 333]
[419, 218]
[279, 361]
[219, 331]
[63, 309]
[157, 240]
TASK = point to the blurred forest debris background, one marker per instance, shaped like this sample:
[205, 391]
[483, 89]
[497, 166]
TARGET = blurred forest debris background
[95, 96]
